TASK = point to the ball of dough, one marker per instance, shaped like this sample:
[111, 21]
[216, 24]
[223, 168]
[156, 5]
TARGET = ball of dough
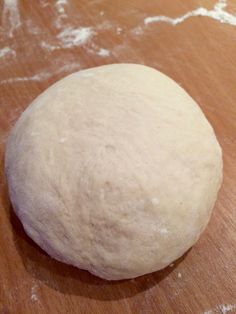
[114, 170]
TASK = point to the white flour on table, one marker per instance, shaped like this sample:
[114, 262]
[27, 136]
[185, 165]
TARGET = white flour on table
[60, 5]
[70, 36]
[217, 13]
[222, 309]
[34, 296]
[44, 75]
[7, 51]
[102, 52]
[10, 16]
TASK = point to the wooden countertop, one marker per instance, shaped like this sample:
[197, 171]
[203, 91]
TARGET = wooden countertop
[41, 42]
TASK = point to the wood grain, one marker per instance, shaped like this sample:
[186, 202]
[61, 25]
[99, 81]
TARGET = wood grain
[200, 54]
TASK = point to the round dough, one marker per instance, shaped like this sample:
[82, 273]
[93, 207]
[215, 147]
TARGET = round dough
[115, 170]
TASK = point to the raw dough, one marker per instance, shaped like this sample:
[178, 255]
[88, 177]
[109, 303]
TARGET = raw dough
[115, 170]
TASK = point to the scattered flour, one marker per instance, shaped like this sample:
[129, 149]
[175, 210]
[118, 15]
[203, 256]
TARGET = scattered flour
[7, 51]
[67, 68]
[32, 28]
[227, 308]
[49, 47]
[60, 5]
[138, 30]
[217, 13]
[222, 309]
[94, 49]
[221, 4]
[10, 16]
[37, 77]
[102, 52]
[61, 13]
[34, 297]
[72, 37]
[179, 275]
[106, 24]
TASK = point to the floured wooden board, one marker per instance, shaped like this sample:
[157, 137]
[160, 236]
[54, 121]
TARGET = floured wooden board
[192, 41]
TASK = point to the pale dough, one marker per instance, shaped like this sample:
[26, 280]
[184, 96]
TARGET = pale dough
[115, 170]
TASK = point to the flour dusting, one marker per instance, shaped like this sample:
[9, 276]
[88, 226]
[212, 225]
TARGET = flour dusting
[227, 308]
[221, 4]
[138, 30]
[222, 309]
[32, 28]
[217, 13]
[49, 47]
[61, 13]
[10, 16]
[72, 37]
[103, 52]
[67, 68]
[34, 297]
[7, 51]
[60, 5]
[94, 49]
[37, 77]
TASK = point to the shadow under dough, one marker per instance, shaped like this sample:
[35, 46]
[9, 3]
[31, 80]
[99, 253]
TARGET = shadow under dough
[71, 280]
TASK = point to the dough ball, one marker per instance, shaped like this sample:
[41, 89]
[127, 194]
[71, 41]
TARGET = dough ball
[114, 170]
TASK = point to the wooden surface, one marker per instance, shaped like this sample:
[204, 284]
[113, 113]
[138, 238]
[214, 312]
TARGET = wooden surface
[42, 41]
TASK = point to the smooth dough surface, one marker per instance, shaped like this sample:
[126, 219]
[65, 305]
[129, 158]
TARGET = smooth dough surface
[114, 170]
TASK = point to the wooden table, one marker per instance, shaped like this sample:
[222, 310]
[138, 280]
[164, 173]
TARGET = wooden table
[41, 42]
